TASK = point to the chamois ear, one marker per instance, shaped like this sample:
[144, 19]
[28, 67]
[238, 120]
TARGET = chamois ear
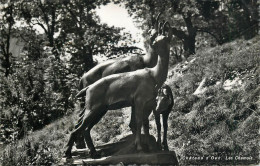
[164, 27]
[167, 26]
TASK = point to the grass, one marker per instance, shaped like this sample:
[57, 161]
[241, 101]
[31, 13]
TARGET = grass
[217, 123]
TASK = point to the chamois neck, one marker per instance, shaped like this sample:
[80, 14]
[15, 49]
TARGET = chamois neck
[160, 71]
[150, 58]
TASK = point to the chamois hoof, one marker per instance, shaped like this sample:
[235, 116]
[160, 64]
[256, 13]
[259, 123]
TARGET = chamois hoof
[139, 149]
[165, 147]
[145, 148]
[159, 145]
[68, 154]
[95, 154]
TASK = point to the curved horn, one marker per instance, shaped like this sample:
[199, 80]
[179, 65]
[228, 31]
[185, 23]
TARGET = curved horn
[157, 21]
[160, 28]
[164, 27]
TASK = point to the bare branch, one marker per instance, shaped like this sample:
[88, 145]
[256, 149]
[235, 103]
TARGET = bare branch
[46, 19]
[71, 12]
[41, 25]
[205, 30]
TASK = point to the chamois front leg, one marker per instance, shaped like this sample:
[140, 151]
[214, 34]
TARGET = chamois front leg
[165, 129]
[158, 125]
[132, 123]
[139, 108]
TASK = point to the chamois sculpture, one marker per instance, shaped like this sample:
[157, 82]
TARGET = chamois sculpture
[137, 89]
[164, 106]
[120, 65]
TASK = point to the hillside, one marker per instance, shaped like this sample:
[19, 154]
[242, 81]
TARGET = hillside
[216, 112]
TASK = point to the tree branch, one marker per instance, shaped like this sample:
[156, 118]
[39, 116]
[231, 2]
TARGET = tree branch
[41, 25]
[71, 12]
[205, 30]
[46, 19]
[27, 41]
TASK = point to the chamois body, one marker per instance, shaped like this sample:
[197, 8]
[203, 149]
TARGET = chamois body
[119, 65]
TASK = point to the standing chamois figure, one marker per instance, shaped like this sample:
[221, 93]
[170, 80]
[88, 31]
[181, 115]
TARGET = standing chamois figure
[164, 107]
[119, 65]
[137, 89]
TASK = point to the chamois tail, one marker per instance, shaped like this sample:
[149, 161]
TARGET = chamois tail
[81, 92]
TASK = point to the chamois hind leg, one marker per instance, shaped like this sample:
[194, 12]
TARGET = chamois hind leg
[165, 129]
[94, 117]
[80, 128]
[80, 143]
[158, 125]
[73, 136]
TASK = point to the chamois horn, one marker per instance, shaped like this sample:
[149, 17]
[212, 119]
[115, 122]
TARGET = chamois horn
[164, 26]
[167, 24]
[157, 21]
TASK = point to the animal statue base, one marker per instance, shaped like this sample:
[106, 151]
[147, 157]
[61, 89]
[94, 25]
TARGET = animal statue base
[124, 151]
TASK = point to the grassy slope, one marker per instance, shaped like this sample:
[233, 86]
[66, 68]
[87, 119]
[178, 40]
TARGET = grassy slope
[218, 122]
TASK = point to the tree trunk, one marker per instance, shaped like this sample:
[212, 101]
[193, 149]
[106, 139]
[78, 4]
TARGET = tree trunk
[190, 39]
[88, 59]
[7, 67]
[189, 45]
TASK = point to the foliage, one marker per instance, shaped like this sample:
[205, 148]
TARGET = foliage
[39, 83]
[222, 20]
[36, 94]
[6, 27]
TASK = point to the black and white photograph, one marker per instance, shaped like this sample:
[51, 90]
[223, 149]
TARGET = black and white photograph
[129, 82]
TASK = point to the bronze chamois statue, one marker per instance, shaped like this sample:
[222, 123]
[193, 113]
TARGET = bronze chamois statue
[137, 89]
[120, 65]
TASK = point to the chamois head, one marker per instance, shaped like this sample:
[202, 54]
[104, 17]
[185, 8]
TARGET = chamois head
[162, 42]
[154, 31]
[163, 99]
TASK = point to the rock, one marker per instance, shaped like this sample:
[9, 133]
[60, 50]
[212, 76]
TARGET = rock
[124, 151]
